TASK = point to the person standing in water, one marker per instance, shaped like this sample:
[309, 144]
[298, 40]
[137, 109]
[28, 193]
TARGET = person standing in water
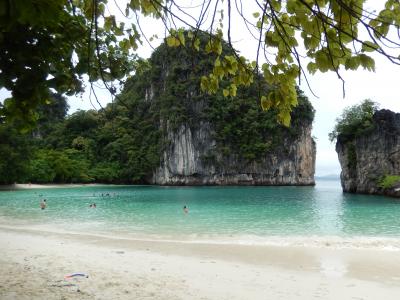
[185, 209]
[43, 204]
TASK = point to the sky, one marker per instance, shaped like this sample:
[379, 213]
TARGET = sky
[381, 86]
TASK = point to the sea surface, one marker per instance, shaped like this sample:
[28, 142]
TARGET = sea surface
[219, 214]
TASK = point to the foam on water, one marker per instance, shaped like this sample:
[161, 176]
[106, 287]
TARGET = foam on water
[329, 242]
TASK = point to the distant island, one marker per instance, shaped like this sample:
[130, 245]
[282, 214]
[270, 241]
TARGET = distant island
[328, 177]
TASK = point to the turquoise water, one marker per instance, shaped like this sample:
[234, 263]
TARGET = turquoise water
[255, 212]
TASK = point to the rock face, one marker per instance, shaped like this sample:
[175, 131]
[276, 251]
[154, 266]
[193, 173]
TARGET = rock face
[183, 162]
[365, 159]
[214, 140]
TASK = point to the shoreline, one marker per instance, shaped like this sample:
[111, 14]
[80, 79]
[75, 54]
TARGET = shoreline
[25, 186]
[34, 264]
[333, 242]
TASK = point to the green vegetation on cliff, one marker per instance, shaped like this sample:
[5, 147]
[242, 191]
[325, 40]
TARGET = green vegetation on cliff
[240, 127]
[355, 121]
[389, 181]
[123, 143]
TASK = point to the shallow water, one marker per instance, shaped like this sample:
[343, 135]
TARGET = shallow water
[226, 213]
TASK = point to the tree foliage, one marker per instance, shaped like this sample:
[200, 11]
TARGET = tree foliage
[354, 121]
[15, 152]
[51, 44]
[124, 142]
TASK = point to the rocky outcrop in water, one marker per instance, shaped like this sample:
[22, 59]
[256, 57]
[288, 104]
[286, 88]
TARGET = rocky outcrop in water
[227, 141]
[215, 140]
[366, 160]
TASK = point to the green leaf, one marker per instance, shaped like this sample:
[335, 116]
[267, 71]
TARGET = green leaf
[109, 23]
[196, 44]
[352, 63]
[367, 62]
[232, 90]
[181, 38]
[172, 41]
[276, 5]
[284, 118]
[265, 105]
[312, 67]
[369, 46]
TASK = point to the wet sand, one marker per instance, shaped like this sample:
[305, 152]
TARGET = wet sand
[33, 264]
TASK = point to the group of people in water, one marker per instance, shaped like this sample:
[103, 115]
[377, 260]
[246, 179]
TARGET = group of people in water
[106, 195]
[43, 205]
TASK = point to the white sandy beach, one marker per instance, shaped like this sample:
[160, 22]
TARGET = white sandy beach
[33, 264]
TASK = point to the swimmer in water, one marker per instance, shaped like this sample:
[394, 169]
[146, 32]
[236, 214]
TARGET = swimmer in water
[185, 209]
[43, 204]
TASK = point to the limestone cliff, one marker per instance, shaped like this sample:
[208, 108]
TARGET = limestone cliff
[184, 163]
[213, 140]
[366, 159]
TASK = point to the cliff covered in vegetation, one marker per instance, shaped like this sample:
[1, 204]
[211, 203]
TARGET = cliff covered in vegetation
[370, 160]
[210, 139]
[162, 129]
